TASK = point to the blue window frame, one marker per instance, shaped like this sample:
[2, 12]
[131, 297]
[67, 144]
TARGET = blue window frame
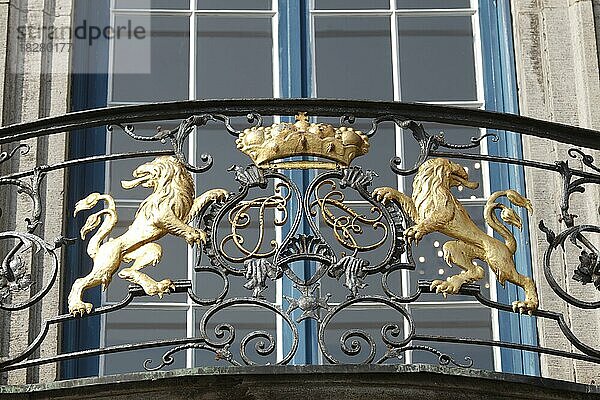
[296, 75]
[88, 91]
[501, 95]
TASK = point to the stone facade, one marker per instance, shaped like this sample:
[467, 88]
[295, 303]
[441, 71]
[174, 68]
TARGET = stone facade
[556, 45]
[407, 382]
[34, 85]
[557, 72]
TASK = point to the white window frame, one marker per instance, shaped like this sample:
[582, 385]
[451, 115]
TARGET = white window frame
[189, 306]
[273, 13]
[393, 13]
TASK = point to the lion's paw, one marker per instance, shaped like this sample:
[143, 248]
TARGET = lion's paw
[414, 234]
[383, 195]
[196, 236]
[445, 287]
[218, 194]
[525, 307]
[80, 308]
[166, 286]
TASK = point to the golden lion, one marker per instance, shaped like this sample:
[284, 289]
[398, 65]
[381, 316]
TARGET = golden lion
[433, 208]
[168, 209]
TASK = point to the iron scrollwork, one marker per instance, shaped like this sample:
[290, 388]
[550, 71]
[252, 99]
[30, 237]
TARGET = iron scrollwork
[588, 269]
[347, 243]
[24, 247]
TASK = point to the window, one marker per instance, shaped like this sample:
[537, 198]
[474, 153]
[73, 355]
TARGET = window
[411, 51]
[404, 50]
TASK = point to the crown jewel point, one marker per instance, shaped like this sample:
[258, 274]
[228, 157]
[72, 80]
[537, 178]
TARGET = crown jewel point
[302, 117]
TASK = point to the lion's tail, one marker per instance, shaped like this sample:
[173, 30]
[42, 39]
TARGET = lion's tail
[508, 215]
[108, 222]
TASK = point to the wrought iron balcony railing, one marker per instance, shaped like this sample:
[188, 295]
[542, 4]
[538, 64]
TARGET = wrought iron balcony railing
[317, 224]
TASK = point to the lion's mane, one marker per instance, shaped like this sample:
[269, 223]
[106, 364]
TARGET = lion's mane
[432, 181]
[172, 187]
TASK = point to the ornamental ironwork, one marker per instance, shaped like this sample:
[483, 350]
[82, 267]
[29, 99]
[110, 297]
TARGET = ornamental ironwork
[349, 245]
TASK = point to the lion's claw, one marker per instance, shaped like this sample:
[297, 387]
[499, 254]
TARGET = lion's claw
[524, 307]
[445, 287]
[166, 286]
[203, 236]
[382, 195]
[414, 235]
[219, 194]
[80, 308]
[196, 237]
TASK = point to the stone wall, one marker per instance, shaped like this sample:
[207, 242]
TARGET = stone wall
[406, 382]
[33, 85]
[558, 80]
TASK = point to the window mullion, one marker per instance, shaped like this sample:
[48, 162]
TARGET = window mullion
[190, 318]
[295, 83]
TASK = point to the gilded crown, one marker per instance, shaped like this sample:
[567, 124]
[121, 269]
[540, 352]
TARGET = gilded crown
[264, 145]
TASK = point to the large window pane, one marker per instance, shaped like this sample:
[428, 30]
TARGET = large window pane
[121, 170]
[153, 4]
[455, 135]
[369, 320]
[456, 322]
[351, 4]
[382, 149]
[436, 58]
[245, 320]
[137, 326]
[215, 141]
[353, 57]
[402, 4]
[234, 4]
[234, 57]
[168, 74]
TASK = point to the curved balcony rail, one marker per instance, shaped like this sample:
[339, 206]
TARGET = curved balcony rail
[317, 224]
